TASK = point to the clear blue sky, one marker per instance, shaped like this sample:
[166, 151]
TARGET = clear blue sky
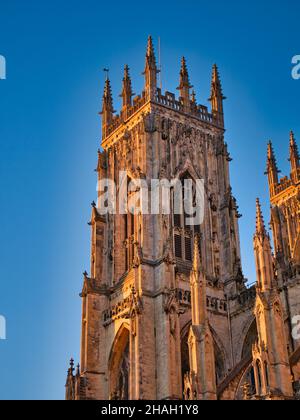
[50, 132]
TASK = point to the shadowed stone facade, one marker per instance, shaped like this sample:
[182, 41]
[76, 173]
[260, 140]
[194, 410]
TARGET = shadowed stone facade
[166, 313]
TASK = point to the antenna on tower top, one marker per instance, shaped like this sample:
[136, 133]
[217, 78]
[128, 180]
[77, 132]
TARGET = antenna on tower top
[159, 64]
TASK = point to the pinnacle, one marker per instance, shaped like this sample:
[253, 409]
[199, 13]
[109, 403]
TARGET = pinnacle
[150, 48]
[184, 76]
[196, 259]
[270, 150]
[107, 97]
[150, 57]
[183, 66]
[126, 72]
[216, 86]
[294, 153]
[127, 92]
[271, 158]
[107, 88]
[216, 76]
[260, 223]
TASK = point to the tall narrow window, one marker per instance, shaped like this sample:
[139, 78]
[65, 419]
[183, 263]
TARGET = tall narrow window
[259, 375]
[178, 246]
[177, 220]
[267, 374]
[188, 249]
[184, 232]
[129, 228]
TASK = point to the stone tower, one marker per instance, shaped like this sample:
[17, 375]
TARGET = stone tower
[166, 313]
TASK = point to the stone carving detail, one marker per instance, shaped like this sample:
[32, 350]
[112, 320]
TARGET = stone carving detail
[138, 255]
[190, 387]
[168, 257]
[129, 307]
[182, 298]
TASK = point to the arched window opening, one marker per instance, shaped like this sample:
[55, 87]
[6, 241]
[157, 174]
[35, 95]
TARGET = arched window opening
[250, 340]
[119, 367]
[123, 383]
[129, 231]
[184, 233]
[249, 380]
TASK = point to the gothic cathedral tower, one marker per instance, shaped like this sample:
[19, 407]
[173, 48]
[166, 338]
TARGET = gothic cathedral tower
[158, 297]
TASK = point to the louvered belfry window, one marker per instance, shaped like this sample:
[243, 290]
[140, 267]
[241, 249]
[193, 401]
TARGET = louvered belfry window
[178, 246]
[184, 234]
[177, 220]
[188, 248]
[129, 230]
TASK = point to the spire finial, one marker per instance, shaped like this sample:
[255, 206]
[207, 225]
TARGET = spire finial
[150, 56]
[127, 92]
[150, 47]
[216, 77]
[107, 101]
[294, 157]
[263, 252]
[272, 169]
[184, 71]
[72, 365]
[260, 223]
[272, 162]
[185, 86]
[216, 96]
[151, 71]
[271, 154]
[107, 107]
[126, 72]
[292, 138]
[184, 76]
[78, 370]
[107, 95]
[216, 86]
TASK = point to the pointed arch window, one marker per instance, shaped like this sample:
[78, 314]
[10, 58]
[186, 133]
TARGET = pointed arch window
[267, 375]
[184, 233]
[119, 366]
[129, 233]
